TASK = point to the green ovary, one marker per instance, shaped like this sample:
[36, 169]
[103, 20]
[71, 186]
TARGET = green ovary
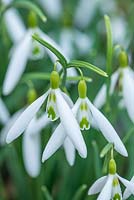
[84, 123]
[51, 113]
[117, 197]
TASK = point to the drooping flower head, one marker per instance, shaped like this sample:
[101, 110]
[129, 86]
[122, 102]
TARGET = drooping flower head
[57, 106]
[109, 186]
[14, 23]
[87, 114]
[125, 77]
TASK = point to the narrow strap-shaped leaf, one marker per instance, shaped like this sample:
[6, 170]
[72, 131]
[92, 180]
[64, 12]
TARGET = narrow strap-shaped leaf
[109, 57]
[80, 193]
[61, 58]
[78, 63]
[97, 164]
[106, 149]
[46, 193]
[25, 4]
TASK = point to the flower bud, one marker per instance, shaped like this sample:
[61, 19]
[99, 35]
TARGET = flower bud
[54, 80]
[112, 166]
[123, 59]
[32, 19]
[82, 89]
[32, 95]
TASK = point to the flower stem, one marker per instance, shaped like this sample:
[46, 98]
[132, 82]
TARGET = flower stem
[109, 57]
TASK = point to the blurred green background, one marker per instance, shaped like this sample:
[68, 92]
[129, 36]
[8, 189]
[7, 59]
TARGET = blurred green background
[61, 180]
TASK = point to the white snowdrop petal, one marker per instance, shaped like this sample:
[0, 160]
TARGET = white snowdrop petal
[116, 190]
[129, 185]
[66, 42]
[52, 7]
[40, 123]
[69, 151]
[100, 99]
[107, 189]
[76, 106]
[14, 24]
[4, 114]
[97, 186]
[8, 125]
[55, 141]
[84, 12]
[17, 64]
[31, 152]
[68, 100]
[23, 121]
[127, 193]
[107, 130]
[128, 91]
[70, 124]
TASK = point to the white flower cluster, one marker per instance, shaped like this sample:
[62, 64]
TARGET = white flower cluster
[74, 117]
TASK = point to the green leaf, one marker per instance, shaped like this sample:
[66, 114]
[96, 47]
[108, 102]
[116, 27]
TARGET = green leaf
[46, 193]
[106, 149]
[97, 164]
[25, 4]
[78, 63]
[109, 44]
[108, 58]
[80, 193]
[128, 135]
[59, 55]
[46, 76]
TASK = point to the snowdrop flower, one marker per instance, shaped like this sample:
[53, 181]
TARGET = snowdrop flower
[109, 186]
[125, 75]
[59, 138]
[52, 7]
[56, 107]
[127, 192]
[26, 48]
[31, 145]
[86, 112]
[13, 22]
[11, 120]
[4, 114]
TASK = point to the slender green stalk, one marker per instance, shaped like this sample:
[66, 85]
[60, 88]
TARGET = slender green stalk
[109, 56]
[46, 76]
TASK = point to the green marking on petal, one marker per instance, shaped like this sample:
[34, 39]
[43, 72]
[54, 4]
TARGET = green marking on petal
[51, 113]
[84, 123]
[36, 50]
[117, 197]
[84, 106]
[52, 97]
[115, 182]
